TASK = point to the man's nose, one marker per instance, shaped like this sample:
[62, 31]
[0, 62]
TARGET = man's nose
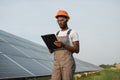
[60, 22]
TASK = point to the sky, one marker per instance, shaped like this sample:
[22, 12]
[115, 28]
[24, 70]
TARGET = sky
[96, 21]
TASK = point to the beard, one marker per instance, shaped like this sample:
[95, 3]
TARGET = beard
[63, 26]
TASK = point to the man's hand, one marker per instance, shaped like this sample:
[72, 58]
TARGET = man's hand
[74, 48]
[58, 44]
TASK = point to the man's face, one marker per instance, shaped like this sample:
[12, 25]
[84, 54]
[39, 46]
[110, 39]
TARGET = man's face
[62, 21]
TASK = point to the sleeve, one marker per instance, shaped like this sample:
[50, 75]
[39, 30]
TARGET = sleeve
[74, 36]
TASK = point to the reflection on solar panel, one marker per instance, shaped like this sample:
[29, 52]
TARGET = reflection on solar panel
[22, 58]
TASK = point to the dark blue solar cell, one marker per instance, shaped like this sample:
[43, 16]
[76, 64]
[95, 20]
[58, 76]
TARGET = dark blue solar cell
[9, 49]
[32, 65]
[8, 69]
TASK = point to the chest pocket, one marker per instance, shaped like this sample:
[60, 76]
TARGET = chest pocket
[64, 39]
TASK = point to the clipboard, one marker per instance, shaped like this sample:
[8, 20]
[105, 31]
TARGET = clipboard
[49, 41]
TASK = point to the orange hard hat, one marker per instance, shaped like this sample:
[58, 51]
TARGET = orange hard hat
[62, 13]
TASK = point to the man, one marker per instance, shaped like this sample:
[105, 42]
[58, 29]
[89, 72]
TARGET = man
[68, 43]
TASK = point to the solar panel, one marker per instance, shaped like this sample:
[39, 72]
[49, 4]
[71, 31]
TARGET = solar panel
[8, 69]
[24, 58]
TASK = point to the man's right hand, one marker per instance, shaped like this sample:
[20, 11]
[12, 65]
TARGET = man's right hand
[58, 44]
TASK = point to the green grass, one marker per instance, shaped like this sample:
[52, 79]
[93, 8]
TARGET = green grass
[107, 74]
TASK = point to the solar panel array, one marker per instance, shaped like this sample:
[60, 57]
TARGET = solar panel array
[23, 58]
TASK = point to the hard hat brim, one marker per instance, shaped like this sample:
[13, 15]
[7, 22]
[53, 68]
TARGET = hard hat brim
[62, 16]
